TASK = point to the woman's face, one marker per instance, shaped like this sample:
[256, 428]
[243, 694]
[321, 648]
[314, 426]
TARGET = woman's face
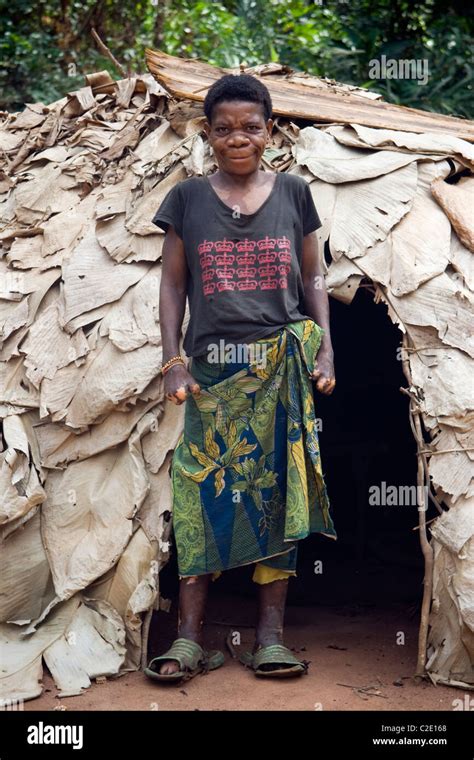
[238, 135]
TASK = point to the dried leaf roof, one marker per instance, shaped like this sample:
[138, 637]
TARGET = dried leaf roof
[299, 95]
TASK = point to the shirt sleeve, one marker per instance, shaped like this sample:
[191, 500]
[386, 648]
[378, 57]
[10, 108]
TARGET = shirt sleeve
[171, 211]
[311, 220]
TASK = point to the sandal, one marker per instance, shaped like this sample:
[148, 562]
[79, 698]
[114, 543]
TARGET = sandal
[275, 655]
[190, 656]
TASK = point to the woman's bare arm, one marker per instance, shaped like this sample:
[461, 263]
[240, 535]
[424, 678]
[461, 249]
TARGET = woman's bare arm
[172, 292]
[173, 286]
[316, 303]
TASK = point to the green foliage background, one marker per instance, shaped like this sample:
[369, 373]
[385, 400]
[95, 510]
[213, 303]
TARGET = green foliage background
[46, 47]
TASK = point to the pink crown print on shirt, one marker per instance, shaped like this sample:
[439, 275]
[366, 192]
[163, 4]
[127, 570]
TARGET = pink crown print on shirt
[244, 265]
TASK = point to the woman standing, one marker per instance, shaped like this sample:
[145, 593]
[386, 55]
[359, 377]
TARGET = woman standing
[246, 474]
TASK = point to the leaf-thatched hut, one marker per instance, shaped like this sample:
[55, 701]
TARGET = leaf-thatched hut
[87, 436]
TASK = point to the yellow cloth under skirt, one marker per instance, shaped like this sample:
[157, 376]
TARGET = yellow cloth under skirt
[263, 574]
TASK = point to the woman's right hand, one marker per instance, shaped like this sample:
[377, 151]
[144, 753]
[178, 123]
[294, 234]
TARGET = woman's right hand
[178, 383]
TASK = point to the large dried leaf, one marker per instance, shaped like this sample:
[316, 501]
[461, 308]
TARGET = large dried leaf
[377, 262]
[139, 216]
[108, 377]
[92, 645]
[452, 470]
[48, 347]
[112, 199]
[163, 437]
[133, 321]
[130, 589]
[332, 162]
[26, 586]
[451, 640]
[59, 446]
[366, 211]
[47, 193]
[87, 515]
[441, 373]
[22, 656]
[156, 145]
[123, 246]
[343, 279]
[443, 144]
[324, 197]
[92, 278]
[439, 303]
[15, 388]
[16, 455]
[420, 246]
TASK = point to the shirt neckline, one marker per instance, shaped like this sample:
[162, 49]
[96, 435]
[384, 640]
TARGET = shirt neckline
[230, 208]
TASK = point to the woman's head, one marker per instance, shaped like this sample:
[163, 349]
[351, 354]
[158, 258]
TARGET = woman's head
[243, 87]
[238, 110]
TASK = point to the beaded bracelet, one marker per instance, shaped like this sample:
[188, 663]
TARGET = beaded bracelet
[171, 362]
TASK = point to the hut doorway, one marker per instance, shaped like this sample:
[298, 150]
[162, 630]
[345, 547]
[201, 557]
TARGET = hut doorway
[367, 451]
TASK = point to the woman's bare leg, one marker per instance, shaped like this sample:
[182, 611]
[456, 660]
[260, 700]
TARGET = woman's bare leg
[192, 606]
[271, 613]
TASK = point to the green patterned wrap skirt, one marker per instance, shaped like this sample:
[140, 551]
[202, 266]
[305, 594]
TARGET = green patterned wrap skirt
[246, 474]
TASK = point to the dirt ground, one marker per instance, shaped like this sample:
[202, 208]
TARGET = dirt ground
[356, 664]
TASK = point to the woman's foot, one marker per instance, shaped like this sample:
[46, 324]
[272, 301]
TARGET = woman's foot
[172, 666]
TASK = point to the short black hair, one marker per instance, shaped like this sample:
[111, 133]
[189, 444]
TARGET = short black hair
[238, 87]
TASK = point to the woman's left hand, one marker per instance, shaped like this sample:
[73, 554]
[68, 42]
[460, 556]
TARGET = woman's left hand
[323, 373]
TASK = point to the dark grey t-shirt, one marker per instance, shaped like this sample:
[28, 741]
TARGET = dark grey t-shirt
[244, 278]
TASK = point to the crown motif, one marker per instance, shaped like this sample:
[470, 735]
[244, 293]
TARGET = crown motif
[267, 242]
[283, 242]
[224, 246]
[205, 247]
[246, 246]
